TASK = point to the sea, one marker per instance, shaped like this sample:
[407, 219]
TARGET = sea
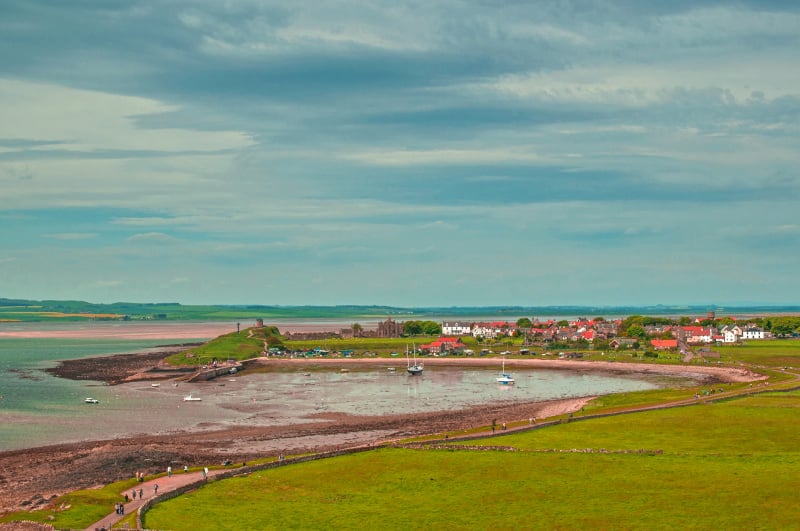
[39, 409]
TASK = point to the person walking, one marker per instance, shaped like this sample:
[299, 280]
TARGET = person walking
[133, 494]
[169, 471]
[141, 494]
[155, 489]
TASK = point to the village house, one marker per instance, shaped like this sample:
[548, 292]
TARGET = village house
[731, 334]
[607, 330]
[493, 329]
[444, 345]
[698, 334]
[753, 332]
[664, 344]
[622, 342]
[456, 328]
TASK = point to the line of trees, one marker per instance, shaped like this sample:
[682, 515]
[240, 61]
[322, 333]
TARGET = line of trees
[418, 328]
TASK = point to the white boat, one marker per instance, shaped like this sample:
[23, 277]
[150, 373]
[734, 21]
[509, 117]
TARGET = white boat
[90, 400]
[416, 368]
[155, 385]
[504, 377]
[190, 398]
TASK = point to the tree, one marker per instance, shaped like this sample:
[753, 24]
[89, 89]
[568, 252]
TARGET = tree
[784, 325]
[563, 322]
[524, 322]
[412, 328]
[431, 328]
[637, 331]
[357, 329]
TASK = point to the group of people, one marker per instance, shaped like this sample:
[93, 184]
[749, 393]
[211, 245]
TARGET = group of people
[119, 508]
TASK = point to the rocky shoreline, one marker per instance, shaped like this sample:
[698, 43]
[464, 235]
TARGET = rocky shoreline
[121, 368]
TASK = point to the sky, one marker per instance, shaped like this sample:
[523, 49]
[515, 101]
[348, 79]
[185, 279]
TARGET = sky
[404, 153]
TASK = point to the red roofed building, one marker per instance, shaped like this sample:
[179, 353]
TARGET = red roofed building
[664, 344]
[697, 334]
[444, 345]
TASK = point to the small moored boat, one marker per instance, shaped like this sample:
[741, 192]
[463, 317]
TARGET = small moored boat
[90, 400]
[190, 398]
[505, 378]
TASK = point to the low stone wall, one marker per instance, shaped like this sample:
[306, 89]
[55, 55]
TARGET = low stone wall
[210, 374]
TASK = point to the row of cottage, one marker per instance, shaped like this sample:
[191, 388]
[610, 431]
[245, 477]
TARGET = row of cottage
[602, 331]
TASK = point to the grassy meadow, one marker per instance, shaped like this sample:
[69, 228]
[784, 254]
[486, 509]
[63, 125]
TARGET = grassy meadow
[730, 464]
[774, 353]
[235, 345]
[77, 509]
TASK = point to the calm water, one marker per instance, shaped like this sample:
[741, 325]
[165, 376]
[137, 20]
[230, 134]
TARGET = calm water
[38, 409]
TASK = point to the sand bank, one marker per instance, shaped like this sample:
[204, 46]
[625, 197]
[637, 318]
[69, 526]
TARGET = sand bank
[723, 374]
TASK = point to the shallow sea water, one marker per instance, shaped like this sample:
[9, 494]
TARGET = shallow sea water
[38, 409]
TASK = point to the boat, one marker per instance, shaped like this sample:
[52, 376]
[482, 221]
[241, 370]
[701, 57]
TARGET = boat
[190, 398]
[504, 377]
[155, 385]
[417, 367]
[91, 400]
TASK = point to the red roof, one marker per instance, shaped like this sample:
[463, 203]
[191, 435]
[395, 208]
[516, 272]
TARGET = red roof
[664, 343]
[696, 330]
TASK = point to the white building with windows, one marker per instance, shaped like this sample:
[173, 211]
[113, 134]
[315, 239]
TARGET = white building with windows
[492, 330]
[753, 332]
[456, 328]
[731, 334]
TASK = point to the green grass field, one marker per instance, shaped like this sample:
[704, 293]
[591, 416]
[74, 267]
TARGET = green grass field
[236, 345]
[78, 509]
[768, 353]
[732, 464]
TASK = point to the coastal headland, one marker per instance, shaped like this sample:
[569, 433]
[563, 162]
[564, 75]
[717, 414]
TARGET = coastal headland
[32, 476]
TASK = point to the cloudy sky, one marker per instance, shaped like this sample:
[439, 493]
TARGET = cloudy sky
[409, 153]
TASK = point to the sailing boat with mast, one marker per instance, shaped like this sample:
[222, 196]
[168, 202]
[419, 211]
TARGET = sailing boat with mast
[504, 377]
[417, 367]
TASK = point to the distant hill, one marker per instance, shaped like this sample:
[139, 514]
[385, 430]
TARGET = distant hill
[47, 310]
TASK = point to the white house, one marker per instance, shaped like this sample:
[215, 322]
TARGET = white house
[492, 330]
[753, 332]
[456, 328]
[731, 334]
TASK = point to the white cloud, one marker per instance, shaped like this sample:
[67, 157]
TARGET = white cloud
[442, 156]
[72, 235]
[152, 237]
[83, 120]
